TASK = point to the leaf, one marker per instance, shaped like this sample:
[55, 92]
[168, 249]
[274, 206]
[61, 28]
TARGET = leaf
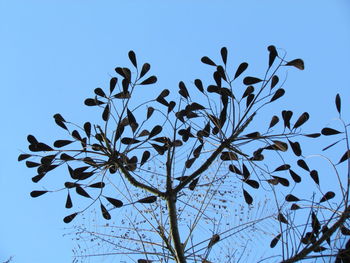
[338, 103]
[249, 90]
[234, 169]
[31, 139]
[92, 102]
[248, 198]
[249, 99]
[147, 200]
[246, 173]
[144, 261]
[122, 95]
[217, 77]
[105, 113]
[224, 54]
[273, 54]
[327, 196]
[207, 61]
[295, 147]
[40, 147]
[252, 183]
[59, 117]
[127, 76]
[274, 81]
[312, 135]
[253, 135]
[274, 121]
[127, 141]
[100, 92]
[278, 94]
[60, 121]
[302, 119]
[303, 165]
[145, 68]
[70, 185]
[69, 218]
[345, 231]
[281, 218]
[37, 193]
[324, 230]
[292, 198]
[97, 185]
[38, 177]
[294, 176]
[150, 111]
[82, 192]
[30, 164]
[287, 115]
[283, 167]
[61, 143]
[105, 213]
[145, 157]
[115, 202]
[272, 181]
[181, 178]
[176, 143]
[150, 80]
[345, 156]
[69, 203]
[132, 58]
[298, 63]
[183, 90]
[319, 249]
[198, 83]
[155, 131]
[160, 149]
[329, 131]
[47, 160]
[195, 106]
[120, 71]
[241, 68]
[227, 156]
[214, 239]
[314, 176]
[143, 133]
[112, 83]
[251, 80]
[275, 241]
[66, 157]
[308, 238]
[282, 181]
[171, 106]
[22, 157]
[281, 146]
[193, 184]
[87, 129]
[189, 162]
[315, 224]
[294, 207]
[221, 73]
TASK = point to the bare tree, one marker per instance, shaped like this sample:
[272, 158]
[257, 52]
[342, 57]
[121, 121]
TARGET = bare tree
[173, 174]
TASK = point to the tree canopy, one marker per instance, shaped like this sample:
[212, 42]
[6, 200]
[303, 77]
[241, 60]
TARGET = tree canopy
[176, 170]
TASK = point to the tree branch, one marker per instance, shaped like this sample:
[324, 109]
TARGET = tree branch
[307, 250]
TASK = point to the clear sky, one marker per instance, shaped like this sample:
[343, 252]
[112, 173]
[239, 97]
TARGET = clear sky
[54, 53]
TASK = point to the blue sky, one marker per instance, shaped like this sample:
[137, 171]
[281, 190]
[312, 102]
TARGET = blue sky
[55, 53]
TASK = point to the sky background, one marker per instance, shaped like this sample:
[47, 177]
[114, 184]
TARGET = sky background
[53, 54]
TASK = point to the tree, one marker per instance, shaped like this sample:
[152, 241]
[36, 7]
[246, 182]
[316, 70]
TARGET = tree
[172, 172]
